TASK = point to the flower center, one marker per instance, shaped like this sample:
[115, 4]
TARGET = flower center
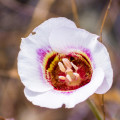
[68, 72]
[72, 78]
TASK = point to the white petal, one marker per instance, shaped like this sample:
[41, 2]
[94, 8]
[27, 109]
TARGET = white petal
[55, 99]
[86, 91]
[42, 32]
[33, 49]
[64, 40]
[41, 36]
[101, 59]
[50, 99]
[30, 68]
[31, 74]
[54, 23]
[104, 87]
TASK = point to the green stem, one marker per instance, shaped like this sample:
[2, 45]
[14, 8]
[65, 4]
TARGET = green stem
[94, 109]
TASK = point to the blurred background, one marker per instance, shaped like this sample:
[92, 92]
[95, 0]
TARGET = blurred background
[18, 18]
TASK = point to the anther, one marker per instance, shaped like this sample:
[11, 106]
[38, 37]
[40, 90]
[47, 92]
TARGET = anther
[69, 70]
[61, 66]
[72, 76]
[62, 78]
[68, 77]
[76, 75]
[67, 63]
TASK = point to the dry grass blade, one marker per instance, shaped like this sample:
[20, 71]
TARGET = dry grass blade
[101, 29]
[104, 19]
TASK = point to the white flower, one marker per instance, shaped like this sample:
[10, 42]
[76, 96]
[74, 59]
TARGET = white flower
[62, 64]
